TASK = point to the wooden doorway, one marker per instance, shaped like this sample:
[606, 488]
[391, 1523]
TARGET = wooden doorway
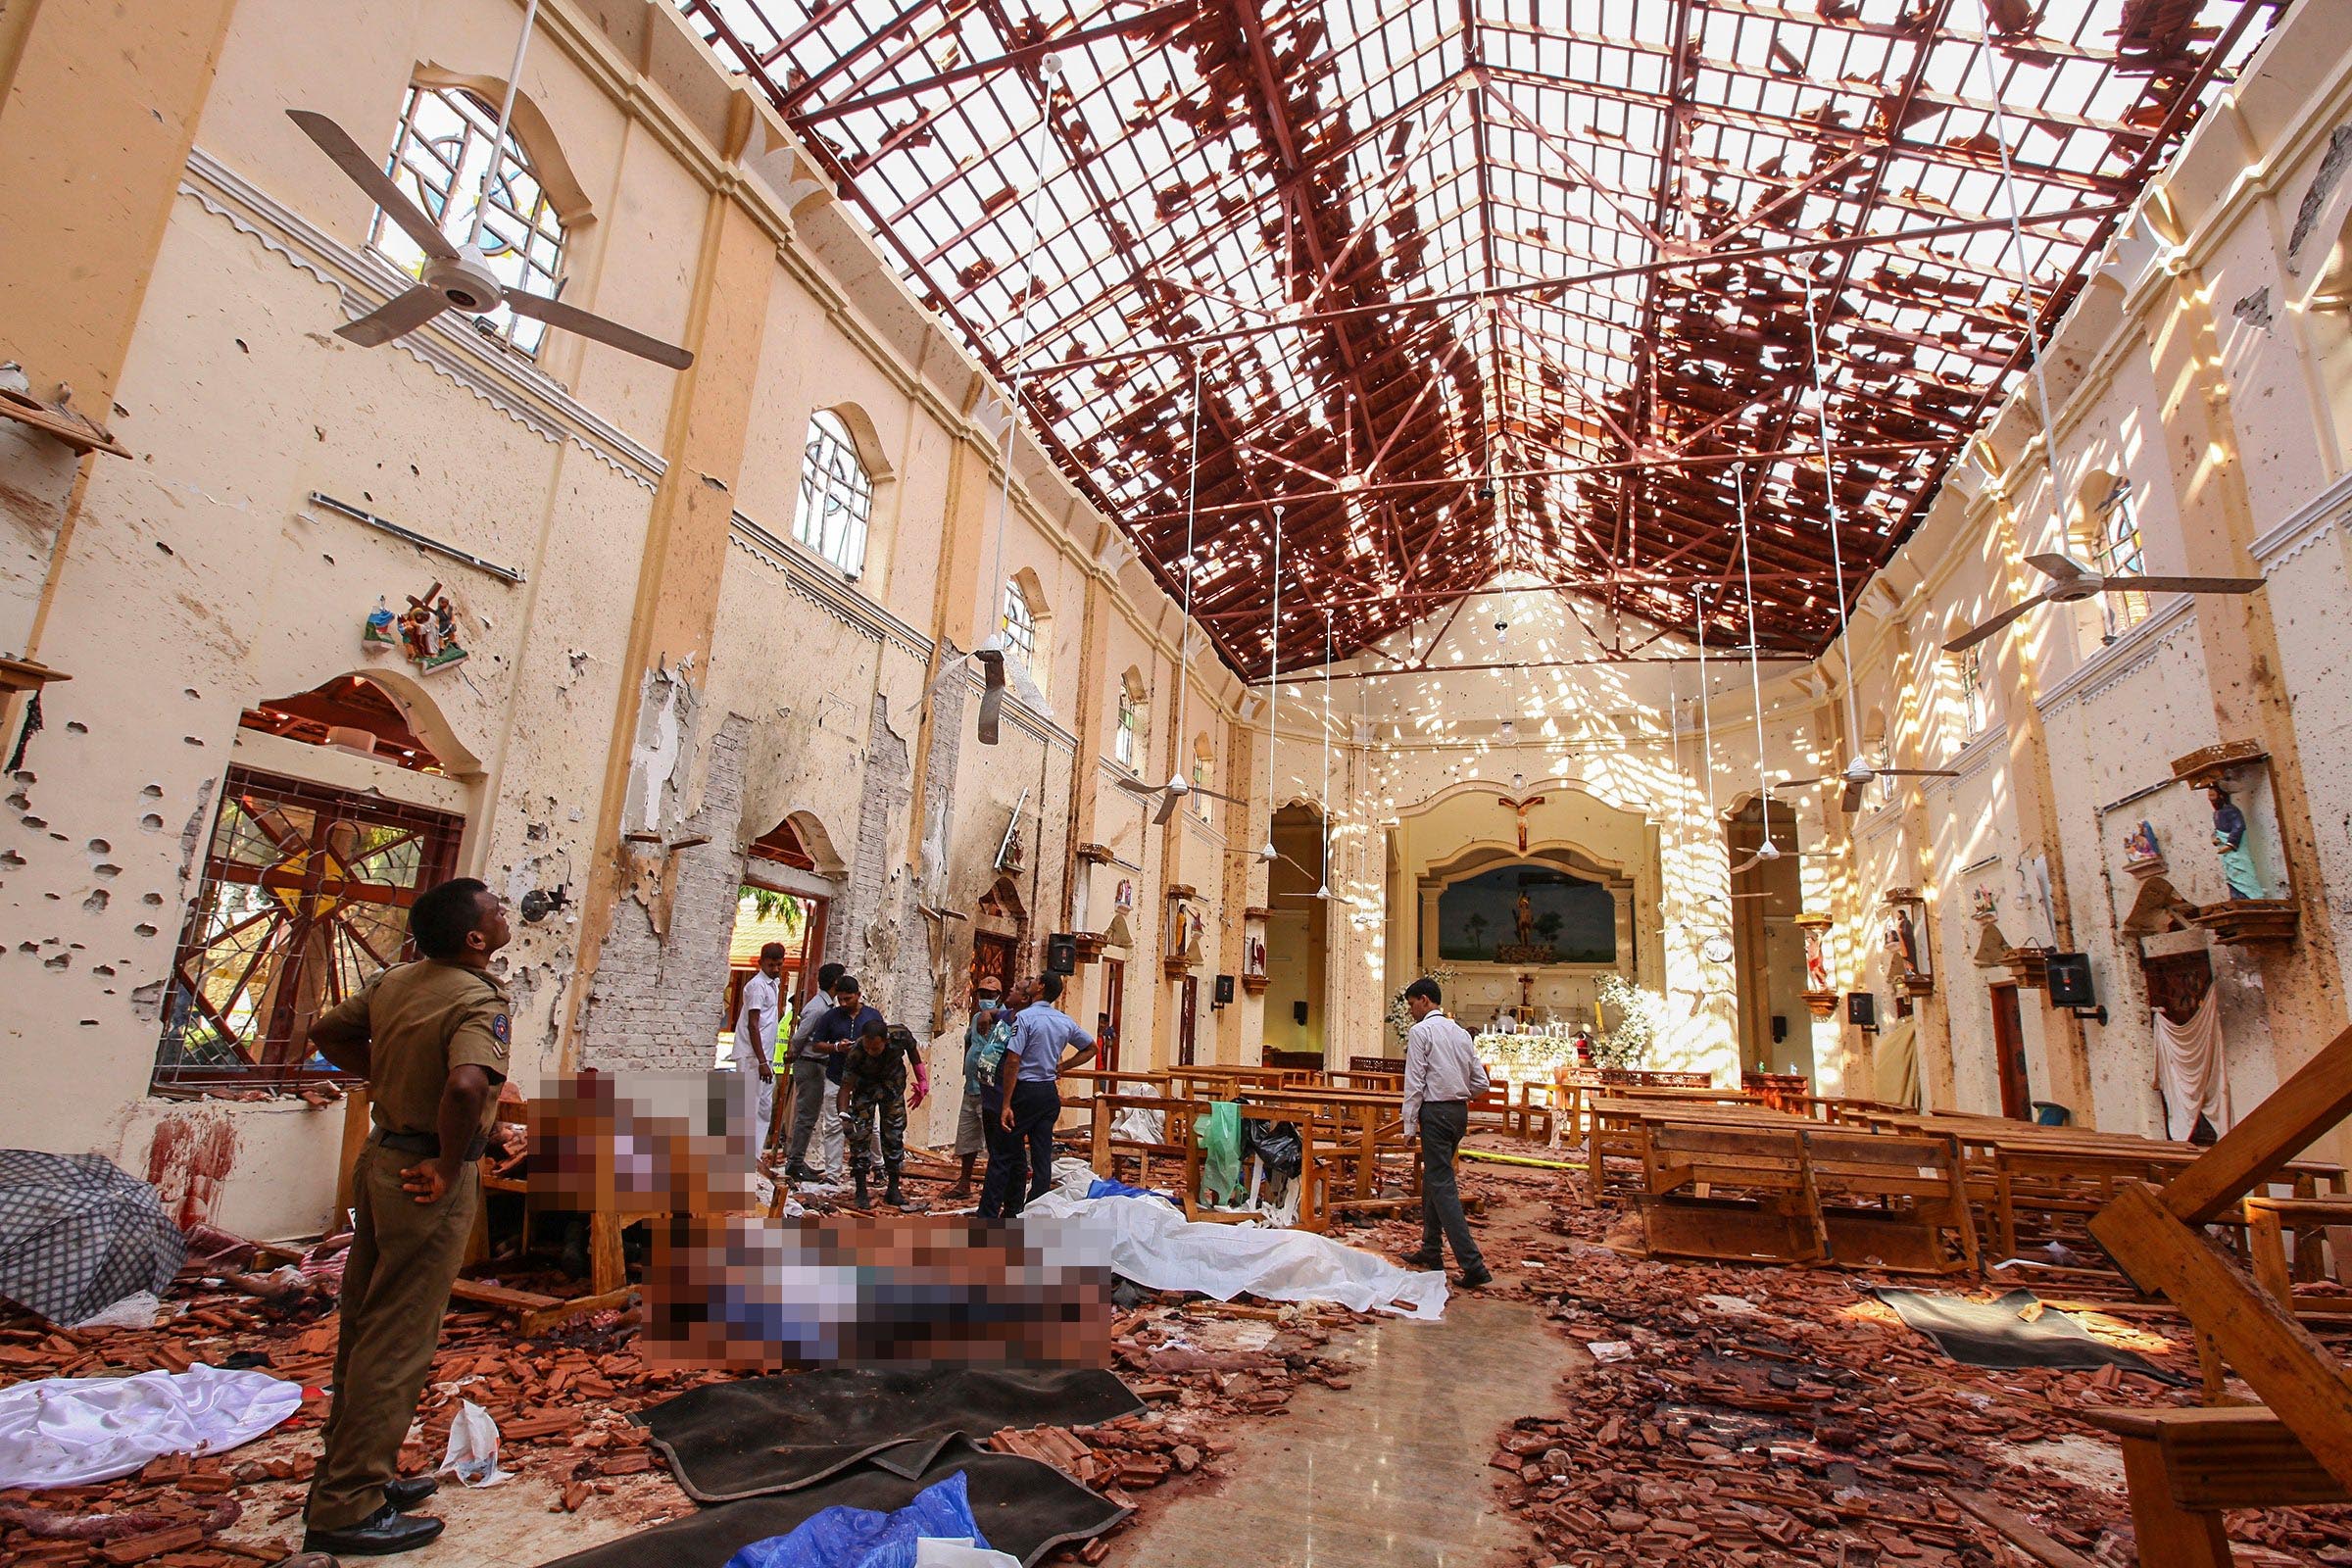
[992, 962]
[1188, 1019]
[2009, 1055]
[1115, 1006]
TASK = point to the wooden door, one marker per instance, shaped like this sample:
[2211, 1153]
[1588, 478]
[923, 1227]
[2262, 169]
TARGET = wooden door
[1188, 1019]
[1115, 1006]
[992, 962]
[2009, 1053]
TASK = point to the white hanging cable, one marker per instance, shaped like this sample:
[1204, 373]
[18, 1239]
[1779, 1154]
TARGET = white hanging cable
[1706, 727]
[1828, 490]
[2025, 279]
[1273, 688]
[1051, 68]
[1324, 889]
[1184, 646]
[1756, 673]
[505, 113]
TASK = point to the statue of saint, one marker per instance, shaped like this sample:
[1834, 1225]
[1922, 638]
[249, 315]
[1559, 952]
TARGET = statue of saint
[1525, 916]
[1902, 942]
[1817, 964]
[2230, 842]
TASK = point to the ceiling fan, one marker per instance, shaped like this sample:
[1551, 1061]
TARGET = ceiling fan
[457, 278]
[1857, 777]
[2072, 582]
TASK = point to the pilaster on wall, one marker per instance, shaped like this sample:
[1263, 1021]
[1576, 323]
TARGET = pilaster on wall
[96, 119]
[2302, 991]
[676, 608]
[2066, 1053]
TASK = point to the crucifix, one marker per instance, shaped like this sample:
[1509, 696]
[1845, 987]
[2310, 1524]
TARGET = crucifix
[1523, 807]
[1527, 998]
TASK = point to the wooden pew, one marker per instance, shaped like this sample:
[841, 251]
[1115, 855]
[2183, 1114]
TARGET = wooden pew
[2154, 1234]
[2185, 1467]
[1771, 1213]
[1316, 1145]
[1889, 1201]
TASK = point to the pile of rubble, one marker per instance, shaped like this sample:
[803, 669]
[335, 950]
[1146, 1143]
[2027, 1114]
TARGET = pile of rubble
[1743, 1414]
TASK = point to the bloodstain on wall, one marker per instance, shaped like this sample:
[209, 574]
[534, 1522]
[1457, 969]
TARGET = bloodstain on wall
[187, 1161]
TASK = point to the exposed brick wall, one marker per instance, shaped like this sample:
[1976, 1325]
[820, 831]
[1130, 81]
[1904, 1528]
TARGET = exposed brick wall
[658, 1002]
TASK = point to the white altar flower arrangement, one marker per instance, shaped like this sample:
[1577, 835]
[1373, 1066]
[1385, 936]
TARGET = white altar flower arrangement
[1640, 1015]
[1400, 1018]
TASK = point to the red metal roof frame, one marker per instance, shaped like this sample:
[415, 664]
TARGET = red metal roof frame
[1488, 286]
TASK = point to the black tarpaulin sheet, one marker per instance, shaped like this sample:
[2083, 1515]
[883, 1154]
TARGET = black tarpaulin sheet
[729, 1441]
[2013, 1329]
[1023, 1507]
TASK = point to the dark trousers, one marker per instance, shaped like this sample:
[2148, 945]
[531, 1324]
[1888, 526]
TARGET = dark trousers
[808, 1093]
[1442, 1125]
[404, 1257]
[1021, 1161]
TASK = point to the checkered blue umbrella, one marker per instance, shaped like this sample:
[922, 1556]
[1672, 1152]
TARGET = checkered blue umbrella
[77, 1234]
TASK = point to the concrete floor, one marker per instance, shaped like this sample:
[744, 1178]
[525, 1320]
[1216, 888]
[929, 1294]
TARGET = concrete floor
[1390, 1470]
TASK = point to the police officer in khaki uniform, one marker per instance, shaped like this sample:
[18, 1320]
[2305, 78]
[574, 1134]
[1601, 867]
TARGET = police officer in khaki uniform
[431, 1039]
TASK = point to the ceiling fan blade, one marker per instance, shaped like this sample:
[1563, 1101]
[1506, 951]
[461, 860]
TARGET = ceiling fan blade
[1749, 864]
[1219, 794]
[1137, 786]
[991, 694]
[2180, 585]
[1917, 772]
[1167, 809]
[364, 171]
[2063, 567]
[571, 318]
[1850, 801]
[1977, 634]
[404, 313]
[1801, 783]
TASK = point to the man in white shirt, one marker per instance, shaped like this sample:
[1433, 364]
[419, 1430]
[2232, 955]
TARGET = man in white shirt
[1442, 1076]
[755, 1029]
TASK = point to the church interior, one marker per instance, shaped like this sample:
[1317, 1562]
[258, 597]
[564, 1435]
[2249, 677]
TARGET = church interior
[1786, 555]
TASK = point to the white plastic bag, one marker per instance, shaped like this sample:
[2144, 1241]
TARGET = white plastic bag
[135, 1311]
[472, 1455]
[938, 1551]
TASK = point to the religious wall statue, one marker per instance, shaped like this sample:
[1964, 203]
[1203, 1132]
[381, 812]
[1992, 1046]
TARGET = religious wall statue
[1902, 942]
[427, 631]
[2141, 849]
[2230, 842]
[1816, 963]
[1257, 956]
[1524, 914]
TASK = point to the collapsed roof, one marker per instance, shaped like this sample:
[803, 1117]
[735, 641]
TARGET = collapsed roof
[1476, 287]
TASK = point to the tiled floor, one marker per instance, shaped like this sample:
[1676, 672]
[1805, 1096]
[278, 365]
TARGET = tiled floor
[1390, 1470]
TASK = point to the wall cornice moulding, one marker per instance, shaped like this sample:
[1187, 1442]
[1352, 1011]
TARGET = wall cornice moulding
[444, 345]
[2306, 525]
[2124, 656]
[824, 587]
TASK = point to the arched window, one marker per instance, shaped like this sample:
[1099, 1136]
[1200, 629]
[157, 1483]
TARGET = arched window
[2114, 525]
[1127, 742]
[1019, 624]
[1204, 769]
[1969, 667]
[836, 495]
[444, 147]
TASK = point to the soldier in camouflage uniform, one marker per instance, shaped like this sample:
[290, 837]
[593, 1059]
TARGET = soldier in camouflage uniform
[874, 1088]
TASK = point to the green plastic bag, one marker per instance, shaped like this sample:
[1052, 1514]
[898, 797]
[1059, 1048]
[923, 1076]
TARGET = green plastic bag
[1219, 1134]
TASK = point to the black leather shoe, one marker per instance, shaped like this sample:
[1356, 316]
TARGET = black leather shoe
[379, 1535]
[1472, 1279]
[1420, 1260]
[410, 1491]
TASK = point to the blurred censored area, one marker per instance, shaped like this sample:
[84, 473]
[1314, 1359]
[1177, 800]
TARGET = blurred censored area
[927, 1290]
[727, 1285]
[644, 1143]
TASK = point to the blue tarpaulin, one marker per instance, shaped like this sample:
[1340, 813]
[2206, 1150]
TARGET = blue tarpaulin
[1108, 1187]
[861, 1538]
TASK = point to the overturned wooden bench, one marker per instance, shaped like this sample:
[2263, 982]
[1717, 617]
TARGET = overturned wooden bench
[2186, 1467]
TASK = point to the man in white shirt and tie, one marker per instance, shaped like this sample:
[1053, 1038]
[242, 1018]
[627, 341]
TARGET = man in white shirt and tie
[1442, 1076]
